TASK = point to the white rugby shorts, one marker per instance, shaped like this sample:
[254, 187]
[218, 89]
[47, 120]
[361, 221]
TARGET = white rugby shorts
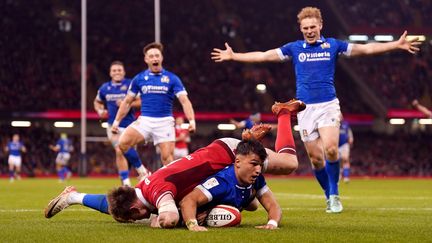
[63, 158]
[325, 114]
[156, 129]
[114, 138]
[14, 160]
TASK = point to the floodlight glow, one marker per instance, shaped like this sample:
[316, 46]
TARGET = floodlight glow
[383, 38]
[296, 128]
[397, 121]
[358, 38]
[420, 37]
[424, 121]
[184, 125]
[64, 124]
[226, 127]
[104, 125]
[261, 88]
[20, 123]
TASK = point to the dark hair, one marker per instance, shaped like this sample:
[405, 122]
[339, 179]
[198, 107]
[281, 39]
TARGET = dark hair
[246, 147]
[120, 200]
[117, 63]
[152, 45]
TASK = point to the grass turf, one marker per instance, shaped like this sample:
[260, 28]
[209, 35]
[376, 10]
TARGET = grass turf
[375, 210]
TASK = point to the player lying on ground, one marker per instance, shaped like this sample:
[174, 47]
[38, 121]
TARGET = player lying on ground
[237, 185]
[160, 191]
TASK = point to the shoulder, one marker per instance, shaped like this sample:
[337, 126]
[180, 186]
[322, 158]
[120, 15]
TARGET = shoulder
[104, 85]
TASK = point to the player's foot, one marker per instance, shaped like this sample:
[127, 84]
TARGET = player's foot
[68, 175]
[257, 132]
[335, 204]
[59, 203]
[292, 106]
[328, 210]
[346, 180]
[18, 177]
[11, 179]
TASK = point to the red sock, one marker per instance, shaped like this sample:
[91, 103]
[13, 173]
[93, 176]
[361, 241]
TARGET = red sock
[284, 138]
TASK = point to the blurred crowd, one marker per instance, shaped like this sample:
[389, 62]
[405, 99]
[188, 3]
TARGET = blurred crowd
[40, 67]
[373, 154]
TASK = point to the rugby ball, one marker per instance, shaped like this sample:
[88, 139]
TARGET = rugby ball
[223, 216]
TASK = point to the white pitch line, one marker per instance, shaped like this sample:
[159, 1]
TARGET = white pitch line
[25, 210]
[317, 196]
[357, 209]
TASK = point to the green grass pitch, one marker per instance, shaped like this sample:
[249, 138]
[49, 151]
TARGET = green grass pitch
[376, 210]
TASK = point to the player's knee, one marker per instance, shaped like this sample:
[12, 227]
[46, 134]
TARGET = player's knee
[168, 219]
[123, 147]
[331, 153]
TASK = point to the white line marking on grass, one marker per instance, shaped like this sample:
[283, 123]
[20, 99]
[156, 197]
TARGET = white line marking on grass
[358, 209]
[319, 196]
[25, 210]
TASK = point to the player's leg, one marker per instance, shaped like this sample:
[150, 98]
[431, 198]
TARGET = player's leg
[60, 167]
[120, 160]
[129, 138]
[330, 138]
[18, 164]
[69, 196]
[11, 168]
[315, 153]
[164, 137]
[167, 151]
[344, 157]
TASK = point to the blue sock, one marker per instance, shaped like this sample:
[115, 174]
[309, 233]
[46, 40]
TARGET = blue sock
[346, 172]
[97, 202]
[124, 174]
[133, 158]
[332, 169]
[323, 180]
[11, 174]
[61, 173]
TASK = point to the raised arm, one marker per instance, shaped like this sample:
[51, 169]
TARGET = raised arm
[228, 54]
[375, 48]
[188, 111]
[268, 201]
[188, 208]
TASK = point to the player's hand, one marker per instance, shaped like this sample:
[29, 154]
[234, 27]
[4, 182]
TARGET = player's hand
[115, 127]
[198, 228]
[410, 45]
[267, 226]
[219, 55]
[192, 126]
[102, 113]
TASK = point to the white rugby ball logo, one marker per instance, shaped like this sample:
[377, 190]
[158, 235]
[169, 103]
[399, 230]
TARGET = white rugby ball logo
[223, 216]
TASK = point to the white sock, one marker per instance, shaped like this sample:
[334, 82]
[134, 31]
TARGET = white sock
[142, 171]
[126, 182]
[76, 198]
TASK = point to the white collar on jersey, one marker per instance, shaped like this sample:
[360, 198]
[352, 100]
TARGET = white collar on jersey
[142, 199]
[318, 42]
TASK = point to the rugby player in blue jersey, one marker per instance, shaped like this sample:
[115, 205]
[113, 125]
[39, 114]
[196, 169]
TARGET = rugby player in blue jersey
[157, 88]
[346, 141]
[14, 148]
[314, 60]
[106, 103]
[248, 123]
[237, 185]
[63, 148]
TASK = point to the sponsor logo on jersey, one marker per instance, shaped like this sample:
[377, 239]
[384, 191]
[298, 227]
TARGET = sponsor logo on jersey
[325, 45]
[314, 56]
[210, 183]
[114, 97]
[154, 89]
[165, 79]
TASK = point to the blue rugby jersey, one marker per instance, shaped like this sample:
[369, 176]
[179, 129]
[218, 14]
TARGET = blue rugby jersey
[223, 188]
[15, 148]
[157, 92]
[314, 66]
[65, 145]
[109, 93]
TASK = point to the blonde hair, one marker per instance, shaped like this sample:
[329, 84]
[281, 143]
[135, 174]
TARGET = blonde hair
[309, 12]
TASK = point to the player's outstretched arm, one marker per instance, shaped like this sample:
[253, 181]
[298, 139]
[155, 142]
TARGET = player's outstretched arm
[268, 201]
[410, 45]
[219, 55]
[422, 108]
[188, 208]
